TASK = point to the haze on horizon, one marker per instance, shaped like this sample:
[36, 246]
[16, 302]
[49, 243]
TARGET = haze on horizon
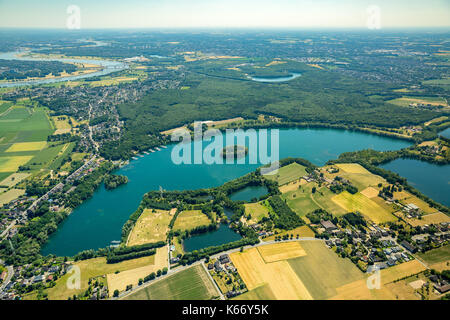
[224, 13]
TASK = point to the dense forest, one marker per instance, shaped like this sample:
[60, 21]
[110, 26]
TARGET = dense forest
[316, 97]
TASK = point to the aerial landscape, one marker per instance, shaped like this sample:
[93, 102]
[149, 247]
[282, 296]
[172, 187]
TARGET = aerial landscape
[228, 161]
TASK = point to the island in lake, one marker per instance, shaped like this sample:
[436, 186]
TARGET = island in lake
[235, 152]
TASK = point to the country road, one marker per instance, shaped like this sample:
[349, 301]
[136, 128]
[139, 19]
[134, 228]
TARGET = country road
[181, 268]
[8, 277]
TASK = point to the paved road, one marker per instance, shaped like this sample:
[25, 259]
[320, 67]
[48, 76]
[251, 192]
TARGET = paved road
[7, 229]
[181, 268]
[8, 277]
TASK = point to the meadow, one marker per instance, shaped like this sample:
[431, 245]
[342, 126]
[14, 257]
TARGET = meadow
[119, 281]
[152, 226]
[288, 173]
[93, 268]
[257, 211]
[190, 219]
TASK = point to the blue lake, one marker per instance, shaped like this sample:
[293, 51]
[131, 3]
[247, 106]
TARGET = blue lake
[99, 220]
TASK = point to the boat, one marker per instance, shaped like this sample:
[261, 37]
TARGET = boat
[165, 147]
[134, 158]
[158, 149]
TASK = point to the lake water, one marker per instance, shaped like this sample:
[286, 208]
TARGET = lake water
[215, 238]
[248, 193]
[107, 68]
[430, 179]
[446, 133]
[99, 220]
[276, 79]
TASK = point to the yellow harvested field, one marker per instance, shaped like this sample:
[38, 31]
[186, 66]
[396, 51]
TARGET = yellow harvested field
[93, 268]
[150, 227]
[401, 195]
[292, 186]
[190, 219]
[11, 164]
[439, 119]
[275, 62]
[441, 266]
[401, 271]
[170, 131]
[352, 168]
[358, 202]
[279, 276]
[27, 146]
[120, 280]
[14, 179]
[10, 195]
[223, 122]
[281, 251]
[370, 192]
[432, 218]
[358, 290]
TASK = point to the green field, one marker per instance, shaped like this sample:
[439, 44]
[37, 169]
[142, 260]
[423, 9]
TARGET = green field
[359, 202]
[257, 211]
[322, 271]
[190, 284]
[190, 219]
[288, 173]
[323, 198]
[300, 200]
[436, 255]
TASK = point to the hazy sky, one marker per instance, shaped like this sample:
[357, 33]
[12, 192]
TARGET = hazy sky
[224, 13]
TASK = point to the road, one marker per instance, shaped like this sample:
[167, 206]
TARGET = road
[8, 277]
[7, 229]
[181, 268]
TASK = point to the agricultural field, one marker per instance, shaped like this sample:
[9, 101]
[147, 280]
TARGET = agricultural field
[288, 173]
[152, 226]
[359, 176]
[318, 273]
[190, 219]
[292, 186]
[260, 293]
[281, 251]
[12, 164]
[24, 128]
[27, 146]
[433, 101]
[302, 232]
[323, 198]
[120, 280]
[432, 218]
[438, 255]
[278, 275]
[10, 195]
[400, 271]
[257, 211]
[359, 202]
[93, 268]
[190, 284]
[322, 271]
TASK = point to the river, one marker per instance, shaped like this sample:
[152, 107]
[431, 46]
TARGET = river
[108, 67]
